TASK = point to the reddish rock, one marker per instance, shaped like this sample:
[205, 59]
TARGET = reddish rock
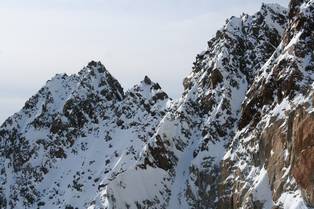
[303, 152]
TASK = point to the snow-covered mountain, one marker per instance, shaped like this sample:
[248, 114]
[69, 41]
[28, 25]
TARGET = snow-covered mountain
[73, 136]
[241, 135]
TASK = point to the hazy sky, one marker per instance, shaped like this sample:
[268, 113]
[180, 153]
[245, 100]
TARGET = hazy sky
[132, 38]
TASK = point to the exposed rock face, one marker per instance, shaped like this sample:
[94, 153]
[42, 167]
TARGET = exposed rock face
[302, 149]
[241, 135]
[270, 127]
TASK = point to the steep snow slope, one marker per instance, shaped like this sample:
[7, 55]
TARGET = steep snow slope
[238, 136]
[241, 135]
[75, 134]
[191, 140]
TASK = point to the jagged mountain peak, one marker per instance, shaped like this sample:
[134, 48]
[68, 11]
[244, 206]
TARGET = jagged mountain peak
[97, 78]
[270, 15]
[250, 38]
[93, 67]
[147, 80]
[149, 91]
[71, 135]
[241, 135]
[193, 147]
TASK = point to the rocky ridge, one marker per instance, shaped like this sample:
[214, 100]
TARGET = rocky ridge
[240, 136]
[57, 151]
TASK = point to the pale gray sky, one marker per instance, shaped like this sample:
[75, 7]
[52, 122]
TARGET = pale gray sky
[132, 38]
